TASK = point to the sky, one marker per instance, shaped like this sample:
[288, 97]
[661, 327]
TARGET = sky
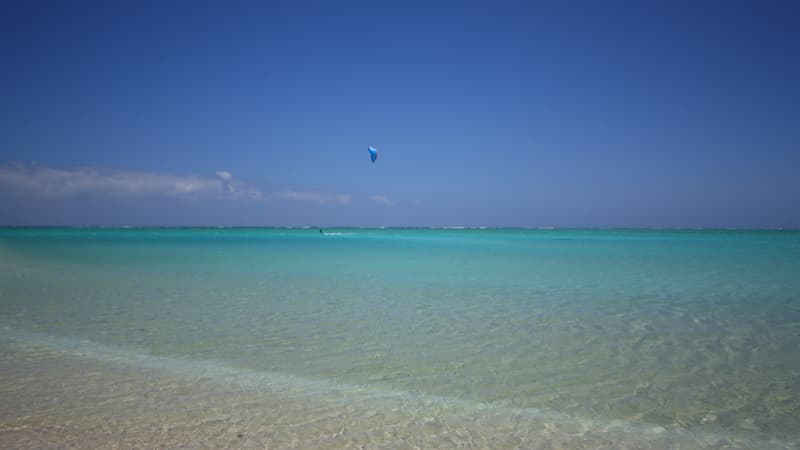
[488, 113]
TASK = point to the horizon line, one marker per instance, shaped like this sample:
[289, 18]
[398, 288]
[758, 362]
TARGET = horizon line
[399, 227]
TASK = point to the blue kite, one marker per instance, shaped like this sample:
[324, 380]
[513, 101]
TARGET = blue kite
[373, 153]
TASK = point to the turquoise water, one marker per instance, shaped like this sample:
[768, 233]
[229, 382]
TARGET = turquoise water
[695, 334]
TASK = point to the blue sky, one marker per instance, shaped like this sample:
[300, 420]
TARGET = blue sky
[567, 114]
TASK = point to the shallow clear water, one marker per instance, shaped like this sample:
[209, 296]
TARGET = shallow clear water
[689, 333]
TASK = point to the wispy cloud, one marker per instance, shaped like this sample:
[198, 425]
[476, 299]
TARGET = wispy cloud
[36, 181]
[47, 182]
[52, 182]
[312, 197]
[225, 175]
[382, 199]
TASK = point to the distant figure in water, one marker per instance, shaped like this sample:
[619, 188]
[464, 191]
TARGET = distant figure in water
[320, 231]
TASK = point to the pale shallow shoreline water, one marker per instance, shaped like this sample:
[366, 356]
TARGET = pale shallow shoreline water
[252, 338]
[82, 395]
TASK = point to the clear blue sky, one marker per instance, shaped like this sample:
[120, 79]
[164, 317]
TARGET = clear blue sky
[570, 114]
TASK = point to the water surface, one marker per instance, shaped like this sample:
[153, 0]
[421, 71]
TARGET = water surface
[662, 337]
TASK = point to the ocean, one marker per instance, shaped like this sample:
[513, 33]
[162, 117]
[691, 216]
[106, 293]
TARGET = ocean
[399, 338]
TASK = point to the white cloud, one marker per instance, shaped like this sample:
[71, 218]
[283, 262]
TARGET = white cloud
[382, 199]
[313, 197]
[35, 181]
[239, 190]
[48, 182]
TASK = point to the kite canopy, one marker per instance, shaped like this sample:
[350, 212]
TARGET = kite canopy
[373, 154]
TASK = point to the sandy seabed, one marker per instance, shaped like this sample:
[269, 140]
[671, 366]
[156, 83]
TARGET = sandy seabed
[51, 399]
